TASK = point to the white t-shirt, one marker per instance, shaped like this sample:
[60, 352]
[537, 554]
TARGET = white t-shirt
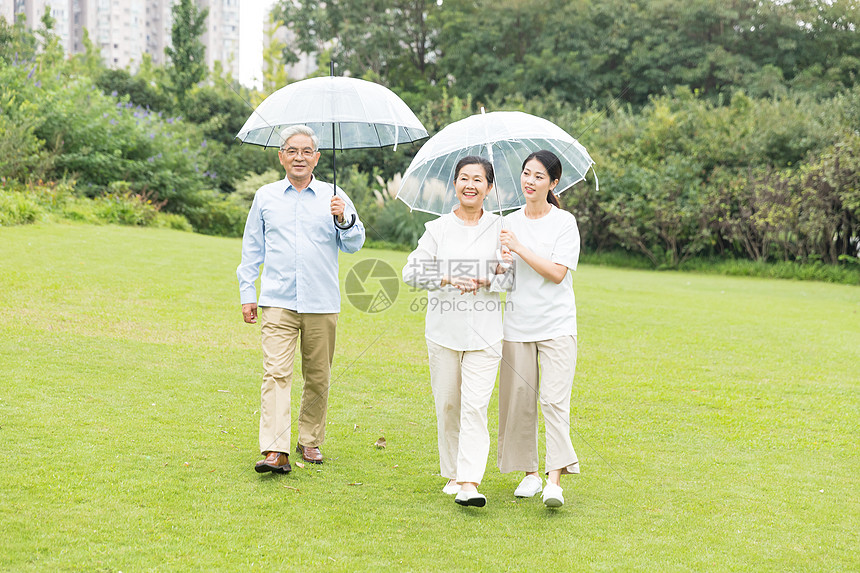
[536, 308]
[449, 247]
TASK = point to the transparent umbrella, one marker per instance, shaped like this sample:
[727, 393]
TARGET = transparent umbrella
[506, 138]
[345, 113]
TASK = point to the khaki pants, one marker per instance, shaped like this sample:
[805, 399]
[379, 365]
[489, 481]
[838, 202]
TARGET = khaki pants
[462, 384]
[532, 370]
[280, 331]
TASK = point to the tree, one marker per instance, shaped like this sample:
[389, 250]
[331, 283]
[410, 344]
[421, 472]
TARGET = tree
[274, 73]
[389, 41]
[187, 54]
[17, 43]
[139, 91]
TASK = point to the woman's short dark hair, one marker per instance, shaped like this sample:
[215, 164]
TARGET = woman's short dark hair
[552, 164]
[475, 160]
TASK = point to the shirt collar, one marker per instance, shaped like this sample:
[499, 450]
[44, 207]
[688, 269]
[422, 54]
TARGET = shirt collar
[485, 216]
[310, 186]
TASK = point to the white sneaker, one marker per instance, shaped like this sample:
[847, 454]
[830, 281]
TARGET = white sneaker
[529, 487]
[552, 495]
[451, 488]
[471, 498]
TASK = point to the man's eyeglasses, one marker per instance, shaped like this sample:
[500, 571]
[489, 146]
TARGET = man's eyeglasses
[291, 152]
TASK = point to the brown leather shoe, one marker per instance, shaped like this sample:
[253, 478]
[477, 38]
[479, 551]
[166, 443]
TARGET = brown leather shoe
[312, 455]
[276, 462]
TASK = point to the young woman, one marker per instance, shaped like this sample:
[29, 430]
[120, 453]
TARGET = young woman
[456, 261]
[539, 348]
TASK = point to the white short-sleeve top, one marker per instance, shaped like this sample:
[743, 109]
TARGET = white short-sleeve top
[536, 308]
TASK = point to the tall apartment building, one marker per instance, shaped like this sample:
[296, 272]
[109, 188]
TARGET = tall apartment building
[7, 10]
[221, 37]
[124, 30]
[307, 63]
[33, 10]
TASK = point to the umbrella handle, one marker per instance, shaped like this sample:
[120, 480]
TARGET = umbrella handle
[344, 226]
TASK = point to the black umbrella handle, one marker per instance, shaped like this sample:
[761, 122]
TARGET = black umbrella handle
[338, 224]
[344, 226]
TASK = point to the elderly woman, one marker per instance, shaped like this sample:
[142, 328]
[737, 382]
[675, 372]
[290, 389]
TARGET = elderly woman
[539, 349]
[456, 261]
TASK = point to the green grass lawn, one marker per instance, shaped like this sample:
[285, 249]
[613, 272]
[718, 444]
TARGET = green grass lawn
[716, 420]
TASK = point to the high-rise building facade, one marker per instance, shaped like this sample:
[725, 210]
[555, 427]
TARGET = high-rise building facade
[33, 10]
[307, 63]
[221, 37]
[159, 21]
[7, 10]
[124, 30]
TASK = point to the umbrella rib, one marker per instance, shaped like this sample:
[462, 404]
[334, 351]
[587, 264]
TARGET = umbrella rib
[378, 138]
[269, 139]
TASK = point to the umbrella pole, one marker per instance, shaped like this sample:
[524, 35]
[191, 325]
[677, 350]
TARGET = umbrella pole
[334, 167]
[504, 264]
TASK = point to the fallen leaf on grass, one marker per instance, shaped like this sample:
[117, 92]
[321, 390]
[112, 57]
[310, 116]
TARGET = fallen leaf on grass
[355, 483]
[187, 464]
[380, 443]
[300, 464]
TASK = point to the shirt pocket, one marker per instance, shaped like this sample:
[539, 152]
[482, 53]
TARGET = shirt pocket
[543, 249]
[320, 227]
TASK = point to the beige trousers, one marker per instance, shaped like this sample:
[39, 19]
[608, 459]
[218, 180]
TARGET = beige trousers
[530, 371]
[280, 330]
[462, 384]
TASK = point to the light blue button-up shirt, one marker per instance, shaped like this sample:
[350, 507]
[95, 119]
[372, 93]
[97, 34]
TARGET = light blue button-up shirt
[292, 234]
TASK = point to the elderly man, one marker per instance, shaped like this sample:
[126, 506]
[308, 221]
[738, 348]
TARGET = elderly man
[290, 232]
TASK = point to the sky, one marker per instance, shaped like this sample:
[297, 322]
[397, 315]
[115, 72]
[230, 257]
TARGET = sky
[251, 15]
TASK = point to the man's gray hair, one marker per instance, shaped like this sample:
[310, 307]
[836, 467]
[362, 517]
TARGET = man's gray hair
[292, 130]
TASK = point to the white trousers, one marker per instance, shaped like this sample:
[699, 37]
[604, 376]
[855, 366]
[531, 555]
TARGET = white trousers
[533, 371]
[462, 383]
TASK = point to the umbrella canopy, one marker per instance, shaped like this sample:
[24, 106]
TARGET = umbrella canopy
[362, 113]
[506, 138]
[345, 113]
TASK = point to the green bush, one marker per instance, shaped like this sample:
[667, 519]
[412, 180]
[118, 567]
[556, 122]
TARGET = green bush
[218, 215]
[171, 221]
[816, 271]
[247, 187]
[22, 204]
[123, 209]
[18, 208]
[56, 125]
[765, 179]
[81, 211]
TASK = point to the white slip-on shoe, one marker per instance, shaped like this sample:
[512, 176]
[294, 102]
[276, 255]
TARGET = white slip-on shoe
[552, 495]
[529, 487]
[451, 488]
[471, 498]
